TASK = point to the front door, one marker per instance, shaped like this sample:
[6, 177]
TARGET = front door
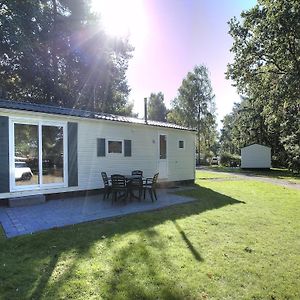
[163, 156]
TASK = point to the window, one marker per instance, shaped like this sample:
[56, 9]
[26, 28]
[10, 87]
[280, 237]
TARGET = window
[115, 147]
[39, 155]
[181, 144]
[162, 146]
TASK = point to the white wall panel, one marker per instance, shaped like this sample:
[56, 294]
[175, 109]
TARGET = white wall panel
[256, 156]
[181, 162]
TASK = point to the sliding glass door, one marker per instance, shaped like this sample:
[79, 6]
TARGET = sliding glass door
[38, 155]
[52, 154]
[26, 152]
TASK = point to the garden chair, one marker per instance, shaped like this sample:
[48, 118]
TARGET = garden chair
[137, 172]
[135, 184]
[118, 187]
[107, 185]
[150, 185]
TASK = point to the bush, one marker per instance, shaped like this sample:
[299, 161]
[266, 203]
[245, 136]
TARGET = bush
[294, 165]
[230, 160]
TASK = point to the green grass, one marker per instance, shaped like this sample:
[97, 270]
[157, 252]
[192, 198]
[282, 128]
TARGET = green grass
[238, 240]
[273, 173]
[211, 175]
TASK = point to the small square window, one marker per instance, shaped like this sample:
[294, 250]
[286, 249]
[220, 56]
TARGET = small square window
[181, 144]
[115, 147]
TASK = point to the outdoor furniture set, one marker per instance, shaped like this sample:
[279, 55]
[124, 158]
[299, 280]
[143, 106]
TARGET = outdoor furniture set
[122, 187]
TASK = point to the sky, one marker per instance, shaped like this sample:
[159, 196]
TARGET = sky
[169, 38]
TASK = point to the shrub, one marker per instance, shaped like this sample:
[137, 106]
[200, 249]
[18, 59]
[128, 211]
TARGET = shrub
[230, 160]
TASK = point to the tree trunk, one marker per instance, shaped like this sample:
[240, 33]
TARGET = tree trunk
[54, 53]
[198, 137]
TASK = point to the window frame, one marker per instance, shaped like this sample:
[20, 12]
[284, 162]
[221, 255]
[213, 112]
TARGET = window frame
[159, 147]
[39, 123]
[181, 140]
[114, 140]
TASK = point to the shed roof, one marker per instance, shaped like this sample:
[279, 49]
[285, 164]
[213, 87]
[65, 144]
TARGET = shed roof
[256, 144]
[56, 110]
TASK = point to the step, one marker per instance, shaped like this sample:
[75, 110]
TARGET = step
[26, 200]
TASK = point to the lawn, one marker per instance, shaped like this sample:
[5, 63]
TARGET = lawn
[238, 240]
[273, 173]
[200, 175]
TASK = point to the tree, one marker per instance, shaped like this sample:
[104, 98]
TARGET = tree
[55, 52]
[195, 107]
[226, 139]
[245, 126]
[156, 107]
[241, 127]
[266, 69]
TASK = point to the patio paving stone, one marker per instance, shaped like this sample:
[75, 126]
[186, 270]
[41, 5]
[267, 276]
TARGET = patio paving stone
[58, 213]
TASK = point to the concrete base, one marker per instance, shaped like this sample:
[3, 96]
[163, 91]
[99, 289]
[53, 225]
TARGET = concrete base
[26, 200]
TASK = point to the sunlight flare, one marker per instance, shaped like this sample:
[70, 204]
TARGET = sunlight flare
[121, 18]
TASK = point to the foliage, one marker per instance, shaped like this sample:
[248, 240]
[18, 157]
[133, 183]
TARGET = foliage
[266, 69]
[230, 160]
[56, 52]
[206, 249]
[195, 107]
[156, 107]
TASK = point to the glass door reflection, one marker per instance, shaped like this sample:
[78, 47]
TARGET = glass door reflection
[52, 154]
[26, 154]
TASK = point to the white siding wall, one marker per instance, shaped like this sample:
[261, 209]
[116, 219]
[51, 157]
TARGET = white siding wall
[181, 162]
[145, 141]
[256, 156]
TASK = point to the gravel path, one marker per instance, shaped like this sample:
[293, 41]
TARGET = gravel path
[240, 176]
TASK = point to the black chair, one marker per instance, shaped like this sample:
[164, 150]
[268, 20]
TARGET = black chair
[137, 172]
[118, 186]
[135, 184]
[150, 185]
[107, 185]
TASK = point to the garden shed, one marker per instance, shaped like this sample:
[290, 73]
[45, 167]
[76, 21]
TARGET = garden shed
[48, 150]
[256, 156]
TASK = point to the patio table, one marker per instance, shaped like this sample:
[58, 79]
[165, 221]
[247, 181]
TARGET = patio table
[129, 179]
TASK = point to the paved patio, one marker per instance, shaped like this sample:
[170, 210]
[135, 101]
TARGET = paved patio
[58, 213]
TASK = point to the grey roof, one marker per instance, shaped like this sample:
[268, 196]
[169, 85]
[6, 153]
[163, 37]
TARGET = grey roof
[256, 144]
[50, 109]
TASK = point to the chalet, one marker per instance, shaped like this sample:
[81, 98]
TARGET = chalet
[47, 150]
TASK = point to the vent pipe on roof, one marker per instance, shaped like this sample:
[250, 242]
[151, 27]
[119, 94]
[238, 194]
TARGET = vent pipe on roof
[145, 111]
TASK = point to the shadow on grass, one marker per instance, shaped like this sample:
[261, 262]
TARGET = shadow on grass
[188, 242]
[31, 260]
[144, 282]
[272, 173]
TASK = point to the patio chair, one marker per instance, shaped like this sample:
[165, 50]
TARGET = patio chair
[107, 185]
[135, 184]
[150, 185]
[118, 187]
[137, 172]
